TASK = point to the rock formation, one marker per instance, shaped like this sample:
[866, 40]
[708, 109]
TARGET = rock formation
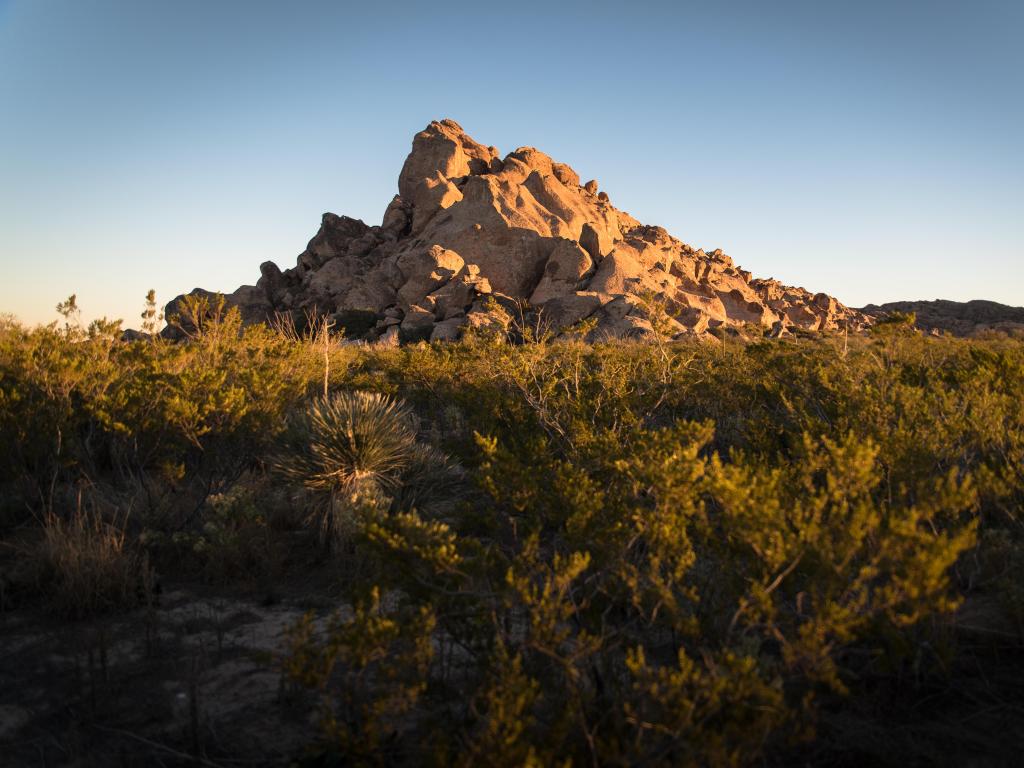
[476, 240]
[967, 318]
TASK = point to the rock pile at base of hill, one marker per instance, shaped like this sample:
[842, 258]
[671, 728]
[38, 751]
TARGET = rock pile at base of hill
[477, 240]
[959, 318]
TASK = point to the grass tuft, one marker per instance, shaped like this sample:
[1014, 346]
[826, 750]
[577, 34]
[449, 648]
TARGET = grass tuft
[86, 567]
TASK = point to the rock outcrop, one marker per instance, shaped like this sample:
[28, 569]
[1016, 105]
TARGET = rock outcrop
[960, 318]
[476, 240]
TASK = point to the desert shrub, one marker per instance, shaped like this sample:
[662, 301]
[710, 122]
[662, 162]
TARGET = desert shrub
[739, 518]
[703, 599]
[238, 537]
[166, 420]
[657, 553]
[382, 659]
[429, 478]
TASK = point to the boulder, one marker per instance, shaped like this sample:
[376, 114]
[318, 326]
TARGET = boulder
[565, 174]
[458, 294]
[566, 311]
[425, 270]
[186, 312]
[130, 334]
[595, 242]
[333, 238]
[565, 268]
[496, 312]
[397, 218]
[417, 324]
[441, 149]
[252, 304]
[448, 330]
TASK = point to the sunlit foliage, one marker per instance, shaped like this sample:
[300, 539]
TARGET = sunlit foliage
[619, 553]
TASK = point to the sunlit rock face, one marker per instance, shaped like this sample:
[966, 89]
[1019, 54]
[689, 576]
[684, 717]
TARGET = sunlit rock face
[474, 239]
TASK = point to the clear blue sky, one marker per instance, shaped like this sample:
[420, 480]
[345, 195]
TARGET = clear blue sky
[874, 150]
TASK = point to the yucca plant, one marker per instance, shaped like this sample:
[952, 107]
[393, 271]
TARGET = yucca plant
[429, 477]
[353, 446]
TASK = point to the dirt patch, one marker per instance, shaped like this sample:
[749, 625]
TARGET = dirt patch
[193, 676]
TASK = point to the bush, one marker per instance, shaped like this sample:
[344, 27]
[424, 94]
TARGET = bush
[658, 553]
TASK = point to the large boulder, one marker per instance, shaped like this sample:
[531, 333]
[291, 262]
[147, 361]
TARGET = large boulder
[458, 294]
[567, 311]
[425, 270]
[441, 151]
[565, 269]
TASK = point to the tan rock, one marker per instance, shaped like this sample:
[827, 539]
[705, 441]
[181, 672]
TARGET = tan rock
[467, 223]
[619, 272]
[397, 217]
[566, 311]
[417, 323]
[458, 294]
[596, 242]
[441, 148]
[336, 277]
[448, 330]
[371, 294]
[435, 194]
[567, 265]
[565, 174]
[425, 270]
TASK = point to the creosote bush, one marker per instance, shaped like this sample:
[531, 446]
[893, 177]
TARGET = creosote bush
[637, 554]
[676, 554]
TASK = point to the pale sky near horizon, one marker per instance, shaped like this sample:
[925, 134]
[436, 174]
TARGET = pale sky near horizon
[872, 150]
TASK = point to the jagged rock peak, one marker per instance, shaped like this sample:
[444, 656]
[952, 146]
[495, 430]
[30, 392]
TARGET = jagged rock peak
[473, 238]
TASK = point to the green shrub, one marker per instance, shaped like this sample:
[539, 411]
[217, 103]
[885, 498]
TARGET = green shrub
[638, 553]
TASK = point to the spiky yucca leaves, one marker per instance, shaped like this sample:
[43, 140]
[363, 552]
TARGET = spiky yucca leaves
[354, 446]
[430, 476]
[349, 441]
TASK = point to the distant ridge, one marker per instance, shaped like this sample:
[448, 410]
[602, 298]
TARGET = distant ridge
[961, 318]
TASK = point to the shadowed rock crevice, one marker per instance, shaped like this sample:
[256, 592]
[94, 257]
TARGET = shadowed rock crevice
[468, 225]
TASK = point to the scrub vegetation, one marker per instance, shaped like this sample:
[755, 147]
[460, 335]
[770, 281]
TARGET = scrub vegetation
[805, 550]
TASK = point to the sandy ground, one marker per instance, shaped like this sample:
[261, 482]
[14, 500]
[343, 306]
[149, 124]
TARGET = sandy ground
[194, 675]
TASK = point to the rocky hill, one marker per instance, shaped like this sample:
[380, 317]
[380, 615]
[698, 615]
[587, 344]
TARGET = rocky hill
[474, 239]
[961, 318]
